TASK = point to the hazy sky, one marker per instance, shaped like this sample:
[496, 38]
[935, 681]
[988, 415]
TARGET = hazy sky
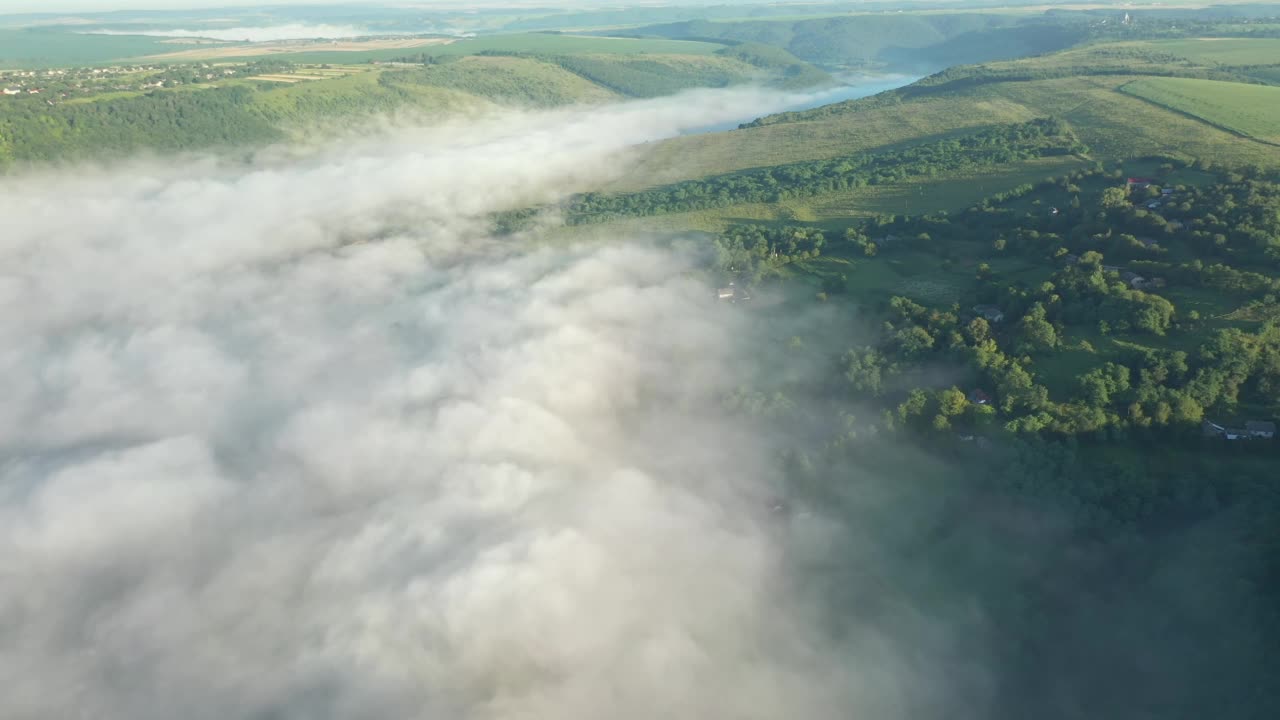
[7, 6]
[16, 6]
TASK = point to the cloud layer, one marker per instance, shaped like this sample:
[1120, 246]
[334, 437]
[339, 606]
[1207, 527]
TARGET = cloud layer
[302, 441]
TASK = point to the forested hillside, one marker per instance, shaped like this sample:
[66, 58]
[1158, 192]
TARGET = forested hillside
[1094, 365]
[211, 106]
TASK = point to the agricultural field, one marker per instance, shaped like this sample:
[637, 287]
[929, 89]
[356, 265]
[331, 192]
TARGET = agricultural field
[1250, 110]
[1116, 125]
[1220, 51]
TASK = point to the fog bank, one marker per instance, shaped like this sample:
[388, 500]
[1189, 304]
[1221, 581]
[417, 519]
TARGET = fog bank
[265, 33]
[303, 441]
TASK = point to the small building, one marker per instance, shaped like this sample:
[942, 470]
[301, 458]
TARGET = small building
[979, 397]
[726, 293]
[1252, 430]
[1111, 268]
[886, 241]
[1166, 192]
[990, 313]
[1260, 429]
[12, 91]
[1176, 225]
[1153, 204]
[1071, 259]
[1132, 279]
[1148, 242]
[1140, 183]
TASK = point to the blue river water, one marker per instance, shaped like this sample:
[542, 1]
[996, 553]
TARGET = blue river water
[853, 88]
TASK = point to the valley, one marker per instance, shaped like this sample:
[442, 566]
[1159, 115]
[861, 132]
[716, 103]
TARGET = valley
[762, 360]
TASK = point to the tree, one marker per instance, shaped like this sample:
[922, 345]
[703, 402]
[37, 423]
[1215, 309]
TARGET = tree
[952, 402]
[914, 405]
[864, 370]
[914, 341]
[979, 330]
[1114, 198]
[1187, 411]
[1035, 332]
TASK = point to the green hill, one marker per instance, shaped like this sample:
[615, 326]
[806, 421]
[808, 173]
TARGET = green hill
[248, 111]
[1084, 87]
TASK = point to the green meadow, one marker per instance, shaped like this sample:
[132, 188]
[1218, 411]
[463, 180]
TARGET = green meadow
[1251, 110]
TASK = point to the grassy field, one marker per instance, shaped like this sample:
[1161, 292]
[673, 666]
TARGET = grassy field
[1116, 125]
[1220, 51]
[1251, 110]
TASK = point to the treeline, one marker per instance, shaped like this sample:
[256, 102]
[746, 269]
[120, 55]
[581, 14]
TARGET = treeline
[1004, 144]
[425, 58]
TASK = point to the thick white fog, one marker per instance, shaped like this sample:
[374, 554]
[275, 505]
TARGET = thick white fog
[302, 441]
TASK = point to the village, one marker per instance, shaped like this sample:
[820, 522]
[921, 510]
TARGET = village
[52, 85]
